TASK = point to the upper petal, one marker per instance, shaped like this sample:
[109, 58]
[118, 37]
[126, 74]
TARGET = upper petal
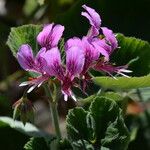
[43, 37]
[56, 34]
[110, 37]
[74, 61]
[75, 41]
[25, 57]
[92, 16]
[90, 50]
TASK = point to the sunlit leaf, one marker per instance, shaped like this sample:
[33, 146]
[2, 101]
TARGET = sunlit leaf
[25, 34]
[123, 82]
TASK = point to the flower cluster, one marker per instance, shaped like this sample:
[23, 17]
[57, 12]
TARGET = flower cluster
[90, 52]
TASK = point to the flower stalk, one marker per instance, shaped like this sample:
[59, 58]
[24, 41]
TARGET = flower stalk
[53, 108]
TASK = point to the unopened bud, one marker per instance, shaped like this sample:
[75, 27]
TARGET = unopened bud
[23, 108]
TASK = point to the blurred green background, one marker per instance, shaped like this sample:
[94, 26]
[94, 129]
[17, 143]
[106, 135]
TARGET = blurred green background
[132, 18]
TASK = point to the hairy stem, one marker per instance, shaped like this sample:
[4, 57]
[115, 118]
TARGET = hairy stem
[54, 112]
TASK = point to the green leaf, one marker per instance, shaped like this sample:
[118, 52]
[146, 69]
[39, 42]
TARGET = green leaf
[114, 96]
[77, 127]
[101, 125]
[111, 95]
[123, 82]
[103, 110]
[116, 135]
[16, 134]
[131, 48]
[36, 144]
[11, 139]
[82, 144]
[28, 129]
[25, 34]
[110, 127]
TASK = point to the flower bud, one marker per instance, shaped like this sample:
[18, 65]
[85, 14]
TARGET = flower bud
[23, 108]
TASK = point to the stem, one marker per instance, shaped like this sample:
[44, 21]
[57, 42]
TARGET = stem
[54, 112]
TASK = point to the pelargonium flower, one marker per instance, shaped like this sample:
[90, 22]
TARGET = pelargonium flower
[102, 38]
[50, 35]
[35, 64]
[104, 41]
[90, 53]
[97, 45]
[74, 66]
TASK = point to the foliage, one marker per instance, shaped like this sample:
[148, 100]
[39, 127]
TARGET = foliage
[131, 48]
[123, 82]
[101, 125]
[25, 34]
[16, 134]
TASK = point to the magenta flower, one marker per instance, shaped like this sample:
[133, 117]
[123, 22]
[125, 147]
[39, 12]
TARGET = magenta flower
[50, 35]
[100, 42]
[34, 64]
[74, 66]
[91, 52]
[90, 56]
[106, 42]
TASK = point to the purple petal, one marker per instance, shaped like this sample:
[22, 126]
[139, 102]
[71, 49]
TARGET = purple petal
[56, 34]
[25, 57]
[50, 35]
[40, 62]
[74, 61]
[53, 60]
[110, 37]
[41, 53]
[92, 16]
[90, 50]
[102, 47]
[93, 32]
[75, 41]
[43, 37]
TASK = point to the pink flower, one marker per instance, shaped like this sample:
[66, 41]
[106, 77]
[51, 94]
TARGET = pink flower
[107, 41]
[50, 35]
[74, 66]
[34, 64]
